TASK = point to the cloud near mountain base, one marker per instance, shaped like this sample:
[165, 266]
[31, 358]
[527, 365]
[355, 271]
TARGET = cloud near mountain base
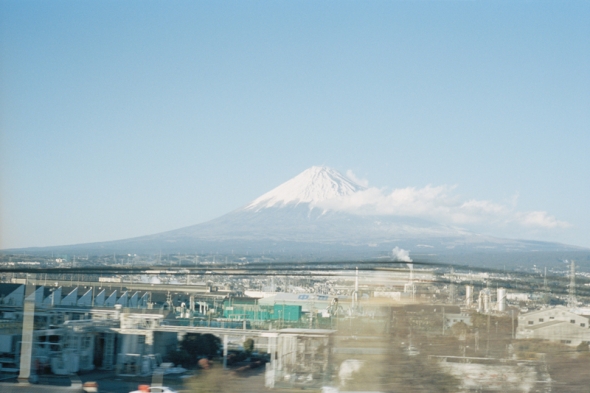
[441, 204]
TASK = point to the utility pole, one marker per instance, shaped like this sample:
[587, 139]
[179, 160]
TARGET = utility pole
[545, 280]
[27, 334]
[356, 290]
[311, 311]
[488, 340]
[452, 289]
[512, 312]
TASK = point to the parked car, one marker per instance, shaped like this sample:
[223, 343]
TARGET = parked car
[90, 387]
[154, 389]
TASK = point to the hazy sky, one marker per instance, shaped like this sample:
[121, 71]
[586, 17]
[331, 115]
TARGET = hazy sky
[125, 118]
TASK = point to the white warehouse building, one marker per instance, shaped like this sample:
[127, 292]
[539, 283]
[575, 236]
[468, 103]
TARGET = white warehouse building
[556, 324]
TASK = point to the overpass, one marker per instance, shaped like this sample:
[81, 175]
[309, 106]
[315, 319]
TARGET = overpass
[201, 289]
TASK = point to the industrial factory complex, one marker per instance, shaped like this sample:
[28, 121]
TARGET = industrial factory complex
[301, 326]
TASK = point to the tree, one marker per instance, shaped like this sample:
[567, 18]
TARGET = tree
[583, 347]
[192, 347]
[249, 346]
[201, 344]
[459, 329]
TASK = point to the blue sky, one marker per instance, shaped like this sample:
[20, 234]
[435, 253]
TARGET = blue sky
[120, 119]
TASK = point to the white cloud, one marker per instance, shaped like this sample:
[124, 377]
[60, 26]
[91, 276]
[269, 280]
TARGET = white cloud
[363, 182]
[442, 204]
[541, 219]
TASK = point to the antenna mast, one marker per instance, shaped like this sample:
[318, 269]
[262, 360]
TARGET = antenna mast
[572, 302]
[545, 279]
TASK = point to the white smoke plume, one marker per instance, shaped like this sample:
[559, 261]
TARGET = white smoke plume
[401, 255]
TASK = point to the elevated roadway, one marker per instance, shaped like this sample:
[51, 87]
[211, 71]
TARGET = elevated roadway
[202, 290]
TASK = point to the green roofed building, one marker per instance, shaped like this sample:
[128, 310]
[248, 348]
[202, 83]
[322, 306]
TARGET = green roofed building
[287, 312]
[244, 308]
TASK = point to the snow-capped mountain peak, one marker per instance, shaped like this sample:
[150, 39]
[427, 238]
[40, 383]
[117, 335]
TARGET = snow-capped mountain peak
[313, 185]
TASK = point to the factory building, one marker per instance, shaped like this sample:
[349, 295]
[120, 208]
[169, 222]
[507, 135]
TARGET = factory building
[299, 358]
[245, 308]
[307, 301]
[78, 329]
[74, 328]
[452, 319]
[556, 324]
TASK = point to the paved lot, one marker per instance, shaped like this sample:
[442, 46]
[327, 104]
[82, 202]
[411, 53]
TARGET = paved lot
[250, 381]
[108, 382]
[26, 388]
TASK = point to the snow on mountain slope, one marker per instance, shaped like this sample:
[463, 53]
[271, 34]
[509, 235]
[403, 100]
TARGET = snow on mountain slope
[314, 185]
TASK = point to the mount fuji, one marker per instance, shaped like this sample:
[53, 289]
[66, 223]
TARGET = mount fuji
[312, 186]
[296, 211]
[301, 217]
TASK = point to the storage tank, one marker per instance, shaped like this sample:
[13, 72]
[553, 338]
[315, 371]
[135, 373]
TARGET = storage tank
[484, 301]
[468, 295]
[501, 299]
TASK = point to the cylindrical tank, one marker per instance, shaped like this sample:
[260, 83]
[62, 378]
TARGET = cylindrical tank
[484, 301]
[501, 299]
[468, 295]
